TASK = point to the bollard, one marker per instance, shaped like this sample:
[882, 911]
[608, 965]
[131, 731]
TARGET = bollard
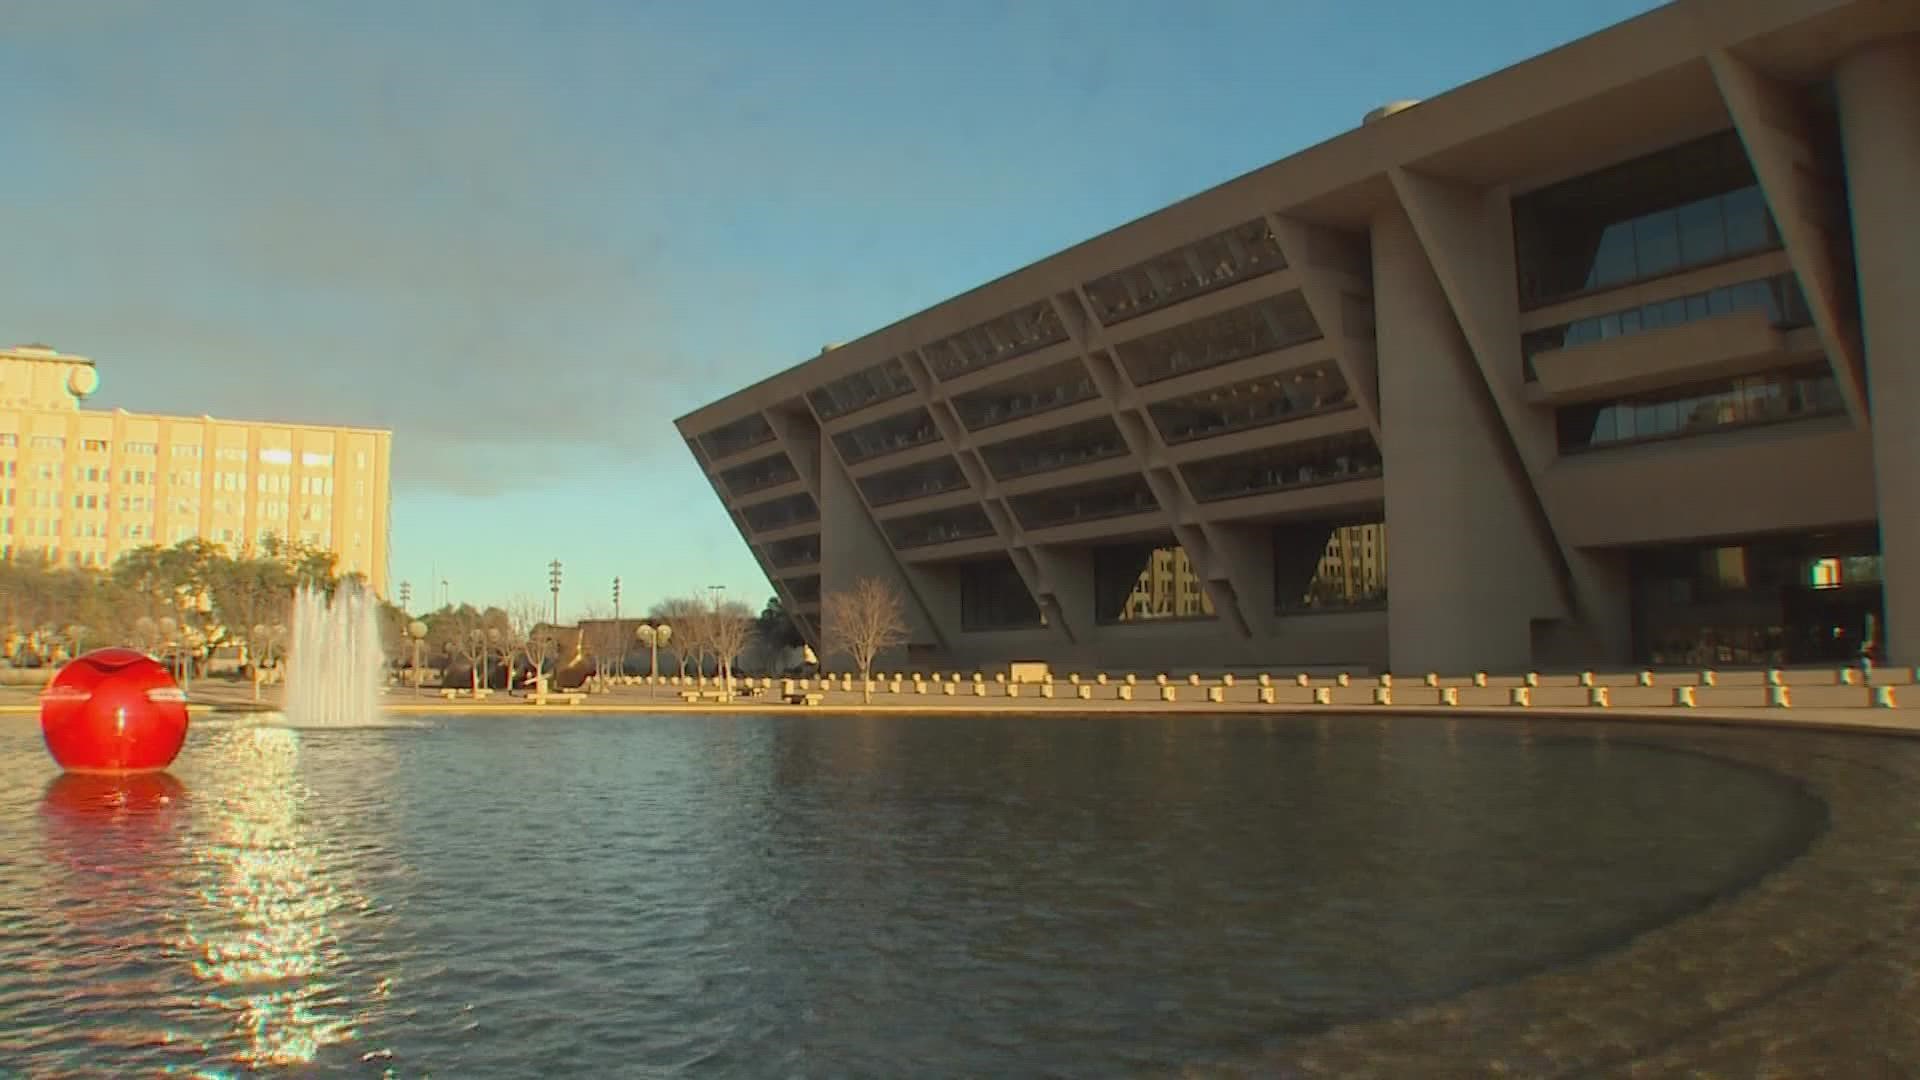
[1531, 680]
[1266, 679]
[1848, 676]
[786, 687]
[1226, 679]
[1167, 693]
[979, 689]
[1449, 695]
[1433, 679]
[1708, 678]
[1013, 689]
[1479, 678]
[1586, 679]
[1323, 695]
[1216, 694]
[1267, 695]
[1131, 679]
[1123, 692]
[1193, 679]
[1086, 692]
[1774, 677]
[1683, 697]
[1779, 697]
[1101, 678]
[1302, 679]
[1046, 690]
[893, 685]
[1646, 678]
[1882, 698]
[1342, 679]
[1386, 680]
[1599, 697]
[978, 677]
[1160, 679]
[1383, 695]
[919, 687]
[1000, 676]
[1073, 678]
[949, 688]
[1520, 695]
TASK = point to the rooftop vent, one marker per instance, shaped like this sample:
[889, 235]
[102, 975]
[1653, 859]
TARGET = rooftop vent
[1389, 109]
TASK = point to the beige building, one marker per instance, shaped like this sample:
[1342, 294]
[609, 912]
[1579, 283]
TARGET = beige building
[1620, 346]
[86, 485]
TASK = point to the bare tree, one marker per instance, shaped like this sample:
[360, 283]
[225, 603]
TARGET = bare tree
[527, 617]
[863, 621]
[687, 616]
[605, 638]
[729, 628]
[467, 639]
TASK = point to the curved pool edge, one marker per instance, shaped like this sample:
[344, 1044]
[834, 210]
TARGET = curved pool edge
[1771, 978]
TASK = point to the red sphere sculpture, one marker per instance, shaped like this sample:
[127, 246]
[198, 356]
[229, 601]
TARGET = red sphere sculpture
[113, 710]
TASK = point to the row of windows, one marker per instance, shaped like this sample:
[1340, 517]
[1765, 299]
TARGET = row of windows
[1060, 448]
[996, 341]
[1701, 409]
[271, 456]
[881, 382]
[1085, 502]
[770, 471]
[939, 527]
[1236, 334]
[729, 439]
[1778, 296]
[1243, 252]
[782, 512]
[797, 551]
[1270, 399]
[1686, 206]
[1334, 459]
[902, 431]
[916, 481]
[1053, 387]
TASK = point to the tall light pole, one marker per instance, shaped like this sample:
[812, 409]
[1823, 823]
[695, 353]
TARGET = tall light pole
[653, 637]
[618, 632]
[553, 582]
[406, 594]
[416, 630]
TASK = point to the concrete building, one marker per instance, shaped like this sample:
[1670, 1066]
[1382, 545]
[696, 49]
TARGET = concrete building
[1621, 346]
[85, 485]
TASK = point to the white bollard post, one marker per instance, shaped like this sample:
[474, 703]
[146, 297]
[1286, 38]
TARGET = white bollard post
[1779, 697]
[1683, 697]
[1520, 695]
[1086, 692]
[1323, 695]
[1882, 698]
[1599, 697]
[1449, 695]
[1480, 678]
[1216, 694]
[1167, 693]
[1383, 695]
[1123, 692]
[1267, 695]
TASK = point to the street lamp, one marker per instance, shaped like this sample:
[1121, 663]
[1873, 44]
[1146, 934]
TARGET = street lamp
[416, 630]
[653, 637]
[553, 582]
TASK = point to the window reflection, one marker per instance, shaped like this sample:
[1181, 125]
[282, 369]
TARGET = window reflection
[728, 439]
[1237, 254]
[1334, 459]
[1686, 206]
[1260, 327]
[1147, 582]
[1054, 387]
[880, 382]
[805, 589]
[767, 472]
[939, 527]
[799, 551]
[1016, 334]
[780, 513]
[915, 481]
[1319, 566]
[903, 431]
[1085, 502]
[1239, 406]
[993, 596]
[1075, 444]
[1778, 296]
[1701, 408]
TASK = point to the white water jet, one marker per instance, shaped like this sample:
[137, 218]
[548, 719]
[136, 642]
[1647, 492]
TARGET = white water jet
[336, 662]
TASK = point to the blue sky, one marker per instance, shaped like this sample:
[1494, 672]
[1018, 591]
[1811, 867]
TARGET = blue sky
[527, 235]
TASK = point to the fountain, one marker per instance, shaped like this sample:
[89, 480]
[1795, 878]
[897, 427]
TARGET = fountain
[334, 667]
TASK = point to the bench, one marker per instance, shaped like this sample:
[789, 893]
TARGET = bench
[548, 699]
[813, 698]
[449, 694]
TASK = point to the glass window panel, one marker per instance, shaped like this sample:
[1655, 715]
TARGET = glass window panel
[1703, 232]
[1749, 226]
[1656, 240]
[1614, 262]
[1809, 391]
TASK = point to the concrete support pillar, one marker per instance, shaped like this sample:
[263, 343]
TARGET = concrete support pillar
[1466, 596]
[1879, 94]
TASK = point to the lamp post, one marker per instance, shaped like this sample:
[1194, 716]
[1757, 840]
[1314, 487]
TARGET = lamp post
[653, 637]
[616, 628]
[553, 582]
[406, 594]
[168, 628]
[417, 630]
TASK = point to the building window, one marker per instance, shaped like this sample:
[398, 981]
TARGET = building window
[185, 450]
[881, 382]
[139, 449]
[1213, 262]
[1331, 460]
[231, 453]
[93, 446]
[901, 431]
[1780, 297]
[1076, 444]
[938, 527]
[1053, 387]
[994, 597]
[782, 512]
[1146, 583]
[1270, 399]
[913, 482]
[804, 589]
[1330, 566]
[1690, 205]
[770, 471]
[1115, 497]
[1701, 408]
[49, 442]
[276, 456]
[798, 551]
[1264, 326]
[315, 459]
[723, 441]
[1008, 337]
[8, 438]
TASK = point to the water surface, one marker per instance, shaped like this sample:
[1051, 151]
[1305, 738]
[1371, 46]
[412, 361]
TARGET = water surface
[819, 895]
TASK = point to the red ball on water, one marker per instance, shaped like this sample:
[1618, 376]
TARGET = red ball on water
[113, 710]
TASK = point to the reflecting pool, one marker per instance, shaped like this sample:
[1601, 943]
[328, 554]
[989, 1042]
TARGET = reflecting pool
[821, 895]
